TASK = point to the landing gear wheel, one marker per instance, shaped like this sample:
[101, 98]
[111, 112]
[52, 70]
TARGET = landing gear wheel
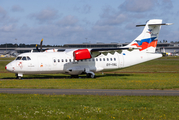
[16, 76]
[19, 77]
[90, 75]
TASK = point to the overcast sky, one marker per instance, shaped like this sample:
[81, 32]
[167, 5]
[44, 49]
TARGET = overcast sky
[61, 22]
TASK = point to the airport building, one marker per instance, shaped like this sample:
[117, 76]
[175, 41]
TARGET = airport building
[168, 48]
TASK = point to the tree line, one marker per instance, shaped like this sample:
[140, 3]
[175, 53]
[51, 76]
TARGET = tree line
[10, 45]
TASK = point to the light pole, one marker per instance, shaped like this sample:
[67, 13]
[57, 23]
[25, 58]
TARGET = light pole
[86, 42]
[16, 42]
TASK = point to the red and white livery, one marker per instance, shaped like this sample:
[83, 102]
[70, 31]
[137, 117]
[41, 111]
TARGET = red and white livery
[88, 61]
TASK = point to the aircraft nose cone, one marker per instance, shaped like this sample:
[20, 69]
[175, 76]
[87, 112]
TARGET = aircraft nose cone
[8, 67]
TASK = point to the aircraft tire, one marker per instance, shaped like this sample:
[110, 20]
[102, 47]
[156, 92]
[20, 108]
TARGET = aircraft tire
[92, 76]
[88, 75]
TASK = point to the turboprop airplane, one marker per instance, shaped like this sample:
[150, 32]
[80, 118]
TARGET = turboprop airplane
[90, 60]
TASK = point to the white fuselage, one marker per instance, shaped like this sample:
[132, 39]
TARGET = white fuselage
[63, 62]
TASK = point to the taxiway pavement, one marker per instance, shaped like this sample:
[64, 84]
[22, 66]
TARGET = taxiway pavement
[111, 92]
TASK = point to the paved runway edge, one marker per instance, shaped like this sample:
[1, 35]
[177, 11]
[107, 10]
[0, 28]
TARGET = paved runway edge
[111, 92]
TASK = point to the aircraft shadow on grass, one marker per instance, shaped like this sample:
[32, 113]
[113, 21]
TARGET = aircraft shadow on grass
[68, 77]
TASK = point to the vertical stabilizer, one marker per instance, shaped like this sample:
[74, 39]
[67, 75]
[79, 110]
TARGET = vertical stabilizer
[147, 40]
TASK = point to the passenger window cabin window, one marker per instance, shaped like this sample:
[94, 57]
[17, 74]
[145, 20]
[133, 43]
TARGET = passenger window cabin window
[99, 59]
[66, 60]
[24, 58]
[103, 59]
[58, 60]
[96, 59]
[54, 61]
[69, 60]
[111, 59]
[93, 59]
[89, 60]
[62, 60]
[107, 59]
[114, 59]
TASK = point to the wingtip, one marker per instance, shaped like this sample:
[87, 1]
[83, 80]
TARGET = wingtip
[169, 23]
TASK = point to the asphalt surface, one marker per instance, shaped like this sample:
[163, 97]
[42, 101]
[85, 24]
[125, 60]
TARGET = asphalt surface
[109, 92]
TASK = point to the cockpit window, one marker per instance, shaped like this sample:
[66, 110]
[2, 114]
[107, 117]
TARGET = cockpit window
[19, 58]
[24, 58]
[28, 58]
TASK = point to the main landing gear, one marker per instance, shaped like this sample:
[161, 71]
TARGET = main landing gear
[90, 75]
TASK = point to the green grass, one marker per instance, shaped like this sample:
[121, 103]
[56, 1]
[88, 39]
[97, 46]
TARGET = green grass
[76, 107]
[107, 81]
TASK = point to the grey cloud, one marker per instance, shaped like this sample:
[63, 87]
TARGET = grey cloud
[68, 21]
[110, 34]
[112, 18]
[5, 19]
[137, 5]
[165, 4]
[52, 34]
[85, 9]
[45, 15]
[7, 28]
[17, 8]
[3, 13]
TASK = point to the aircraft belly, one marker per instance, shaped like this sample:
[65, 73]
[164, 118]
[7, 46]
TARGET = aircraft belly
[77, 68]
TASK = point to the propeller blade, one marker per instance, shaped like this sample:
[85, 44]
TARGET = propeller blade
[41, 45]
[37, 48]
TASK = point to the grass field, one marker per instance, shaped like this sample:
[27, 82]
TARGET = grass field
[76, 107]
[157, 74]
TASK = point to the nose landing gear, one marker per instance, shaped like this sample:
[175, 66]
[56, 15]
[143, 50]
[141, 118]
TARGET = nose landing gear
[19, 76]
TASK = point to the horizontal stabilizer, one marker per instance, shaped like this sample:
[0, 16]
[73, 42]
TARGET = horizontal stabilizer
[154, 24]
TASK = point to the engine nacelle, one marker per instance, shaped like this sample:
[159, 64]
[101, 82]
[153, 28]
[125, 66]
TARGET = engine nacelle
[81, 54]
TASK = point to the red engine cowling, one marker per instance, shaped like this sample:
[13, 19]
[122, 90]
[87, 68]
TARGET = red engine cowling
[81, 54]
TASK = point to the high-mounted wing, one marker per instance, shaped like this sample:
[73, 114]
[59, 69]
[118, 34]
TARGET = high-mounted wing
[81, 54]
